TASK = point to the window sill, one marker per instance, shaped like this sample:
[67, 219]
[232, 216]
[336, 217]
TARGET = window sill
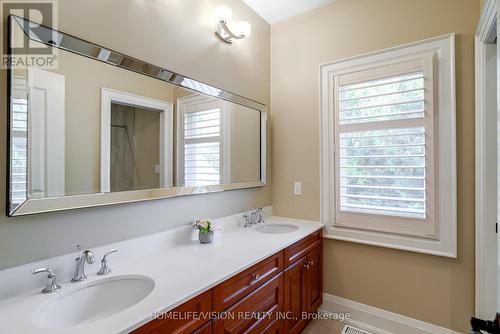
[444, 248]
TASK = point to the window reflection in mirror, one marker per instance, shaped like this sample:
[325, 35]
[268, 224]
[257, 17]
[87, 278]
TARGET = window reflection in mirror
[201, 141]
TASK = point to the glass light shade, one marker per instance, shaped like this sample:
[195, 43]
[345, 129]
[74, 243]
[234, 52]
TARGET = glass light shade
[223, 13]
[242, 28]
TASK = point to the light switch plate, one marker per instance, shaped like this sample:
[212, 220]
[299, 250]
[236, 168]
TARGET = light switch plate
[297, 188]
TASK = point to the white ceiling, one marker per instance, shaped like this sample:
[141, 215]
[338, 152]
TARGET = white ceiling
[276, 10]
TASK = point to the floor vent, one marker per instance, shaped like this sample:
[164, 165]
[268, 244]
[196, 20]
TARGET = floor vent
[353, 330]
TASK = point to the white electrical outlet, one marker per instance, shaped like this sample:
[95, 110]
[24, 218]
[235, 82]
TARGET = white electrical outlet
[157, 169]
[297, 188]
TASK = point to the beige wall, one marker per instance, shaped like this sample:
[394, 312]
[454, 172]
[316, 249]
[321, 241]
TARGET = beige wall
[245, 144]
[177, 34]
[147, 148]
[433, 289]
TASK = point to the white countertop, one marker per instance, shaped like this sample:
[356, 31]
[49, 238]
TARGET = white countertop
[180, 272]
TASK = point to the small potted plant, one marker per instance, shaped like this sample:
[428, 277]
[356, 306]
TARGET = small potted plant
[205, 230]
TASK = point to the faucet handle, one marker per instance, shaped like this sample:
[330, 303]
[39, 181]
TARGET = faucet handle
[78, 251]
[261, 215]
[104, 258]
[43, 270]
[247, 220]
[105, 270]
[51, 285]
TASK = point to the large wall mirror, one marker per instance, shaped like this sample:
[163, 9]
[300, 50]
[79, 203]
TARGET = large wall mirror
[103, 128]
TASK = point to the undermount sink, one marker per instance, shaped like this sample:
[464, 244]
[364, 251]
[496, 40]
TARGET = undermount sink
[276, 228]
[93, 301]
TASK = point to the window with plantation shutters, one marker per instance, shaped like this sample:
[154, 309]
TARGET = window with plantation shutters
[388, 148]
[384, 140]
[201, 142]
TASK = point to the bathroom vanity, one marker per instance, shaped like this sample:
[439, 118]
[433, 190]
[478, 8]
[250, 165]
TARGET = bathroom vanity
[259, 279]
[271, 297]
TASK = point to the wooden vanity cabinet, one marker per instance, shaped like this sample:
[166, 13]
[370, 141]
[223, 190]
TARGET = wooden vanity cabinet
[271, 297]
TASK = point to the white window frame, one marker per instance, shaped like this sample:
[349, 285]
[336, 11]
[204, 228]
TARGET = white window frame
[440, 235]
[204, 102]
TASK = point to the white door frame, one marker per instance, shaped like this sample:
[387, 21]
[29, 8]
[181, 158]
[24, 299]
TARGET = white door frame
[46, 129]
[109, 96]
[486, 252]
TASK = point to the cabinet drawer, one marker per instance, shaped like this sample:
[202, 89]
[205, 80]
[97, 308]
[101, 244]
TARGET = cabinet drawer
[299, 249]
[206, 329]
[184, 319]
[235, 288]
[242, 317]
[276, 327]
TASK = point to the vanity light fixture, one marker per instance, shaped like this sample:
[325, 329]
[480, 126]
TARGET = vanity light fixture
[227, 30]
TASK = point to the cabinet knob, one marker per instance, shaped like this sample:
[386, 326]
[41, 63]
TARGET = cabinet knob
[255, 277]
[308, 264]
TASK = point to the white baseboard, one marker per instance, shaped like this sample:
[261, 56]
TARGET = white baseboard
[377, 320]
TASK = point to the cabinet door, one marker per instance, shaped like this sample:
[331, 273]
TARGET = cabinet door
[255, 312]
[314, 280]
[295, 296]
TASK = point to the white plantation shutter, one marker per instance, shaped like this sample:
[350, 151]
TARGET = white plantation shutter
[384, 147]
[18, 160]
[202, 140]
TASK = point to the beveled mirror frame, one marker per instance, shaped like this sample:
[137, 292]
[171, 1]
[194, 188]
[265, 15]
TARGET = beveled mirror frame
[39, 33]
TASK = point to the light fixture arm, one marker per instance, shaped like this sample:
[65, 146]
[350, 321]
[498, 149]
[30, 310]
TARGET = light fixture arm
[222, 26]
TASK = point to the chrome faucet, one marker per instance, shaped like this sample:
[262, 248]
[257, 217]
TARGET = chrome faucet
[105, 270]
[254, 217]
[51, 285]
[86, 256]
